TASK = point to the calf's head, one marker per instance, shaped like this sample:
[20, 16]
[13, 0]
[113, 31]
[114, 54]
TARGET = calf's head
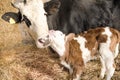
[34, 11]
[54, 37]
[57, 39]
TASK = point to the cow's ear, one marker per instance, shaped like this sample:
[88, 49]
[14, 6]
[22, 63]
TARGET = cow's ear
[12, 17]
[52, 7]
[70, 36]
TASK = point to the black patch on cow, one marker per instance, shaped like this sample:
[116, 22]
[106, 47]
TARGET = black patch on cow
[27, 21]
[13, 5]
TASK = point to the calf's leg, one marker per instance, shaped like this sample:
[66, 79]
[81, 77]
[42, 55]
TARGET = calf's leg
[77, 71]
[107, 59]
[110, 68]
[103, 69]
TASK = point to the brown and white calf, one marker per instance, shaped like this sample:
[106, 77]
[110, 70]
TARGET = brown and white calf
[76, 50]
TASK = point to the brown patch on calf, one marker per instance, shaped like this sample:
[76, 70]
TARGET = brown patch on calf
[95, 36]
[73, 55]
[102, 38]
[115, 38]
[92, 36]
[68, 38]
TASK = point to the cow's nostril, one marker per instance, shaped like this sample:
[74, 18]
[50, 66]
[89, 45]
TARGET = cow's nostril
[41, 40]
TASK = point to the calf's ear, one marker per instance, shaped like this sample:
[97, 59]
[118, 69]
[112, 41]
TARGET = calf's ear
[70, 36]
[12, 17]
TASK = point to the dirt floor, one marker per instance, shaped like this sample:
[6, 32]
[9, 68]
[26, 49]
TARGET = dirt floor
[23, 61]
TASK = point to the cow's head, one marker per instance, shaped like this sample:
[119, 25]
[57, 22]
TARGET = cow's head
[33, 12]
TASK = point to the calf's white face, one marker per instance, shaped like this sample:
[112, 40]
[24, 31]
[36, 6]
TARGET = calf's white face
[57, 37]
[34, 11]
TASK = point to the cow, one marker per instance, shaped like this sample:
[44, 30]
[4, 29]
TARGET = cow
[76, 50]
[68, 16]
[34, 11]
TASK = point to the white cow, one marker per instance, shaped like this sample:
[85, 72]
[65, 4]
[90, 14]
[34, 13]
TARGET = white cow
[34, 11]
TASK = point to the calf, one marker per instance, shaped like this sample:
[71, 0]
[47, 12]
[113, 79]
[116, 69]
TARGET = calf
[76, 50]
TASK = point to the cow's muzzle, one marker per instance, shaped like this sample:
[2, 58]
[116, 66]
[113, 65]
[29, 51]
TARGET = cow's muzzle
[44, 42]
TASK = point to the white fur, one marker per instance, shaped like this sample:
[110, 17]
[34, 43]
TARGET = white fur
[107, 57]
[116, 50]
[58, 42]
[67, 66]
[77, 77]
[103, 69]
